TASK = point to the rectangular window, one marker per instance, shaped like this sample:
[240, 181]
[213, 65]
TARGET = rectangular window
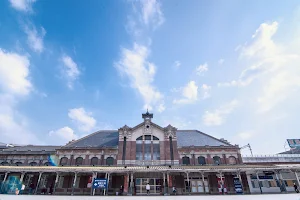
[139, 150]
[147, 150]
[156, 150]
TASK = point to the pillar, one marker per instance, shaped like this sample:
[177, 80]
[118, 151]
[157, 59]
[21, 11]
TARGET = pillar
[131, 184]
[5, 177]
[168, 182]
[164, 182]
[284, 186]
[126, 183]
[240, 179]
[259, 182]
[38, 183]
[56, 182]
[188, 180]
[74, 183]
[95, 175]
[297, 178]
[22, 177]
[107, 183]
[203, 182]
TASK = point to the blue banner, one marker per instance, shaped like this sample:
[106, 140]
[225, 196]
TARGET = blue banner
[238, 186]
[100, 183]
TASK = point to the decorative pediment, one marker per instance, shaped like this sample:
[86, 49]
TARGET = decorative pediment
[125, 131]
[170, 131]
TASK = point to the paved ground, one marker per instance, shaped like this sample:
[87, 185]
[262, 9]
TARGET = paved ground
[229, 197]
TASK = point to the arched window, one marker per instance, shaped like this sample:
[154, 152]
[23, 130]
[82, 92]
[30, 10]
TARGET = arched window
[94, 161]
[232, 160]
[217, 160]
[109, 161]
[201, 160]
[47, 164]
[19, 163]
[185, 160]
[64, 161]
[5, 163]
[147, 148]
[79, 161]
[33, 164]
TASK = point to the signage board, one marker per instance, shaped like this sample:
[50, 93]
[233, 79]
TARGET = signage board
[237, 185]
[294, 143]
[100, 183]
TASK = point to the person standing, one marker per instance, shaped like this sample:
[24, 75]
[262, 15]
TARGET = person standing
[296, 188]
[174, 190]
[148, 188]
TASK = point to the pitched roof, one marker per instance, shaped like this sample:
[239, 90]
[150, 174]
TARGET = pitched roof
[32, 148]
[197, 138]
[292, 151]
[109, 138]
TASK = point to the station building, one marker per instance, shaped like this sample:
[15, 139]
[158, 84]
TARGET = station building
[131, 157]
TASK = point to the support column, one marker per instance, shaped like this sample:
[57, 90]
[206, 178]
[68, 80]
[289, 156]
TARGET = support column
[241, 181]
[284, 186]
[188, 180]
[56, 182]
[203, 182]
[131, 184]
[164, 182]
[297, 178]
[74, 183]
[22, 177]
[168, 181]
[221, 179]
[95, 175]
[258, 182]
[38, 183]
[5, 176]
[107, 183]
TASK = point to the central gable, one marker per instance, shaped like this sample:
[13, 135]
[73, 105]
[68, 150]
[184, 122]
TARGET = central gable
[148, 128]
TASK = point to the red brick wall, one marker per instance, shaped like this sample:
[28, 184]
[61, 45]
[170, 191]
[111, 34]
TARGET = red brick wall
[162, 150]
[132, 150]
[120, 150]
[87, 161]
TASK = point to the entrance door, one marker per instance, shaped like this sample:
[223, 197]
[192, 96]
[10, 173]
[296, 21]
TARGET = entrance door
[155, 185]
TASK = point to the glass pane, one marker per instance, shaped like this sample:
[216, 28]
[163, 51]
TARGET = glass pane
[140, 138]
[155, 138]
[139, 152]
[151, 181]
[147, 137]
[138, 181]
[148, 151]
[156, 152]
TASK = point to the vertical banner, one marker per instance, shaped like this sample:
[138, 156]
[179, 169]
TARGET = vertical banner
[221, 185]
[237, 185]
[89, 185]
[125, 184]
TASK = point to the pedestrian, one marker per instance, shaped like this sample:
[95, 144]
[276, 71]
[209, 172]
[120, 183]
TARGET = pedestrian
[31, 188]
[174, 190]
[22, 188]
[296, 188]
[17, 191]
[121, 190]
[148, 188]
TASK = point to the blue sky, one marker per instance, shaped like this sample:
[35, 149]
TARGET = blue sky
[229, 69]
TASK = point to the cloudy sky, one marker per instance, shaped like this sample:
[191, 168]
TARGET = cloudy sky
[229, 69]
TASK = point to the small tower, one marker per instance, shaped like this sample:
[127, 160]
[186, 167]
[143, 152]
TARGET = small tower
[147, 116]
[147, 122]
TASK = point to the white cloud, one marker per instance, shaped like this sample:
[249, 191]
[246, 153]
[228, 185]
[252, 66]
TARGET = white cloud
[271, 64]
[35, 38]
[70, 70]
[205, 90]
[83, 120]
[140, 72]
[189, 93]
[14, 84]
[14, 73]
[152, 14]
[217, 117]
[177, 64]
[201, 69]
[161, 108]
[63, 135]
[22, 5]
[221, 61]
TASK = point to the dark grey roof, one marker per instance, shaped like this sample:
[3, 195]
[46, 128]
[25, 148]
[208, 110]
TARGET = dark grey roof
[292, 151]
[35, 148]
[197, 138]
[98, 139]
